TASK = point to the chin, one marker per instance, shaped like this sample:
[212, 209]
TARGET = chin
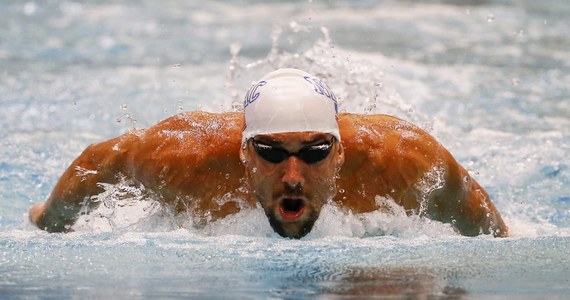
[292, 229]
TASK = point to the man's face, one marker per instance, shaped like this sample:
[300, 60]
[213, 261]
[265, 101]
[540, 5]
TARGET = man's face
[292, 175]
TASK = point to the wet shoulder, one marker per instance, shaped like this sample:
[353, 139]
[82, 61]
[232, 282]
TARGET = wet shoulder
[387, 141]
[364, 129]
[197, 131]
[193, 136]
[201, 123]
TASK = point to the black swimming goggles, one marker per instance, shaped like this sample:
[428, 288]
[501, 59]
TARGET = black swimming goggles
[309, 154]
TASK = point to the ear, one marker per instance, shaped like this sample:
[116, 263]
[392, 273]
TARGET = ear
[340, 155]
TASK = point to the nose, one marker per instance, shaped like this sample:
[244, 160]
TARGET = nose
[293, 178]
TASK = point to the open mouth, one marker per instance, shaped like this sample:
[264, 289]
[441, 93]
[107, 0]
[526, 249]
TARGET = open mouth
[291, 209]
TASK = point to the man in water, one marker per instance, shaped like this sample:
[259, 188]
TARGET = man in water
[290, 152]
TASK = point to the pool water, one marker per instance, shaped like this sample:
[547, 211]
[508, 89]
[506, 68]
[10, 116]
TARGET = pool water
[489, 79]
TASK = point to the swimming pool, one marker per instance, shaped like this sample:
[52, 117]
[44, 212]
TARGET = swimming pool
[489, 79]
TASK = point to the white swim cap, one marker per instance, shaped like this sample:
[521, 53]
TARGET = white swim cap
[289, 100]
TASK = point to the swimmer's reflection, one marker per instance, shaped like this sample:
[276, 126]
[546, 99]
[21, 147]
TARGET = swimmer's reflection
[396, 283]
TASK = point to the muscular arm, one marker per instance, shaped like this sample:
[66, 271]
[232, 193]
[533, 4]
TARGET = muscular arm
[464, 203]
[388, 157]
[98, 163]
[188, 160]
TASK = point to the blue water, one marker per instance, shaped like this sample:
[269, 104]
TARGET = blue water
[489, 79]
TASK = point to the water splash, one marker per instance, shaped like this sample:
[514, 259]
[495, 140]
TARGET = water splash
[84, 173]
[357, 82]
[433, 179]
[129, 206]
[124, 205]
[392, 221]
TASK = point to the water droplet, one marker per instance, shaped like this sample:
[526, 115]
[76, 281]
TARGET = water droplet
[254, 169]
[234, 49]
[341, 191]
[227, 176]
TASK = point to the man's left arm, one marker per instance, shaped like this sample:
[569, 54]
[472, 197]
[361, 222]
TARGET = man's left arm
[464, 203]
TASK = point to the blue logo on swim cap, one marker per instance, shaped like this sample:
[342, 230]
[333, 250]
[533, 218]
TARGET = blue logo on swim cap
[252, 94]
[322, 89]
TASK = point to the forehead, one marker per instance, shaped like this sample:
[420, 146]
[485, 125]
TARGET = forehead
[307, 137]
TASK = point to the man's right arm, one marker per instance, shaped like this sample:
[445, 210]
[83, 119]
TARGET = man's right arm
[98, 163]
[191, 157]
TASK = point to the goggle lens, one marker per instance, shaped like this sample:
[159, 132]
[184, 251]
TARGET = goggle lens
[310, 154]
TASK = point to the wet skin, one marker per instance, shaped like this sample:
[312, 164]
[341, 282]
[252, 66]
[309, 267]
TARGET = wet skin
[292, 192]
[196, 163]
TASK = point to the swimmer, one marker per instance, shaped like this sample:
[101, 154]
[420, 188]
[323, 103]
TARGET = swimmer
[290, 152]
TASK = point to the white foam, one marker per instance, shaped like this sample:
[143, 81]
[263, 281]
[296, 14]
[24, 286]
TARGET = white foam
[248, 222]
[334, 221]
[129, 207]
[125, 205]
